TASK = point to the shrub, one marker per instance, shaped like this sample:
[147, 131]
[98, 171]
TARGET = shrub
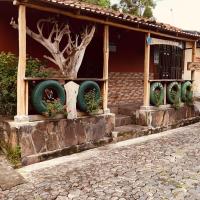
[8, 80]
[13, 154]
[93, 104]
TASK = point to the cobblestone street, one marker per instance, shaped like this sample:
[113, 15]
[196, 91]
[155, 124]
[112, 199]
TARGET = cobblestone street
[161, 168]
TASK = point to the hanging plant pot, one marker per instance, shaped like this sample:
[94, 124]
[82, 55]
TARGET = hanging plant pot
[173, 92]
[156, 94]
[186, 92]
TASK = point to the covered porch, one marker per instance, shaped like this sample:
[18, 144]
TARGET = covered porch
[122, 60]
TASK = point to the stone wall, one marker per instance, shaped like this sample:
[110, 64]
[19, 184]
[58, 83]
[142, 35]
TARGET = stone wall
[43, 139]
[125, 87]
[166, 116]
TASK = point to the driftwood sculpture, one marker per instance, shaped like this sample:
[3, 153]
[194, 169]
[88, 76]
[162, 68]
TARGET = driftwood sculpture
[65, 51]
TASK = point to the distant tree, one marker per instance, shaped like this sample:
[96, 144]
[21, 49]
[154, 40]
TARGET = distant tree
[103, 3]
[135, 7]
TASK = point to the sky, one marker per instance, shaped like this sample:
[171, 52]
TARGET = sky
[184, 14]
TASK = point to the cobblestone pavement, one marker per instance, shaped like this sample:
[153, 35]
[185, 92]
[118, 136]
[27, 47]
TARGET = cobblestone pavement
[164, 168]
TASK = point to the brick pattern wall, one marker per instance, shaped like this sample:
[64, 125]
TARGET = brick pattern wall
[125, 87]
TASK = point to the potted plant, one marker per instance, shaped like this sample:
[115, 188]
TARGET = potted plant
[92, 102]
[54, 107]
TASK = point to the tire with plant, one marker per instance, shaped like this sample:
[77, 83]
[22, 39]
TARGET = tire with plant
[85, 87]
[156, 93]
[173, 92]
[38, 93]
[186, 92]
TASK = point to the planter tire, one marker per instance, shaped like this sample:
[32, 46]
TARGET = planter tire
[186, 91]
[84, 87]
[37, 94]
[174, 86]
[156, 86]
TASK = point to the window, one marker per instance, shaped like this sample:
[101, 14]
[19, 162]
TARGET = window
[170, 62]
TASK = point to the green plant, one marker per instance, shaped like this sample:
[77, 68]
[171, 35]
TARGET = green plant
[177, 103]
[93, 104]
[157, 96]
[54, 107]
[33, 68]
[8, 80]
[189, 98]
[13, 154]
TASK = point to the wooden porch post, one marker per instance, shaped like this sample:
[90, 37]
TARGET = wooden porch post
[193, 59]
[105, 68]
[21, 85]
[146, 72]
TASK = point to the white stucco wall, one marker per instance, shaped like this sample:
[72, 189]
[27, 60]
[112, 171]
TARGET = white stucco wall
[187, 74]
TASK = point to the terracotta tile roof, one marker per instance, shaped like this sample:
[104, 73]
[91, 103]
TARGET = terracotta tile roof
[123, 17]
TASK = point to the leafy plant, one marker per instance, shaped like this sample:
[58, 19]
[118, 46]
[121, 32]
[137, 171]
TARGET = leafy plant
[13, 154]
[189, 98]
[157, 96]
[8, 80]
[8, 83]
[54, 107]
[177, 103]
[92, 102]
[33, 68]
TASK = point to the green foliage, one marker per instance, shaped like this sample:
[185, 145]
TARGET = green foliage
[102, 3]
[8, 83]
[54, 107]
[93, 104]
[127, 6]
[157, 96]
[177, 103]
[189, 100]
[13, 154]
[8, 80]
[33, 68]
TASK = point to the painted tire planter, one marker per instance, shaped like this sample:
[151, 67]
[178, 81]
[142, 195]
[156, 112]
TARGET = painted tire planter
[38, 94]
[156, 93]
[173, 92]
[186, 91]
[84, 87]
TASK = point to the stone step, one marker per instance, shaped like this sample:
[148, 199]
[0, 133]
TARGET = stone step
[121, 120]
[129, 131]
[114, 109]
[128, 110]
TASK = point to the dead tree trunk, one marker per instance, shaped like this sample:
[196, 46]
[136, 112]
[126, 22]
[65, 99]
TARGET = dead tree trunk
[68, 55]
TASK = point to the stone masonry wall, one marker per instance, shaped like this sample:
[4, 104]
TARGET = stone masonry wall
[125, 87]
[40, 139]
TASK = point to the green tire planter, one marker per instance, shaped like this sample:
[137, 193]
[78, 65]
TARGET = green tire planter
[173, 92]
[186, 91]
[156, 93]
[84, 87]
[38, 93]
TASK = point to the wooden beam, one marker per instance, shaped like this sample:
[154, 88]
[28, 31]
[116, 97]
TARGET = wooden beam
[105, 66]
[27, 96]
[21, 86]
[146, 72]
[100, 21]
